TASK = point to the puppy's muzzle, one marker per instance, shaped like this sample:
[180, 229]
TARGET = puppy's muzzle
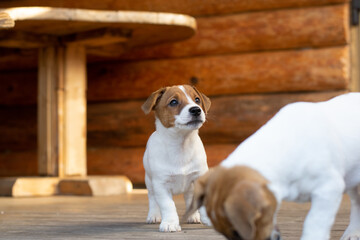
[195, 111]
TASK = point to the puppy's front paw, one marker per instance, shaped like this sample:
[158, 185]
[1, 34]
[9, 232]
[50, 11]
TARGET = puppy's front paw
[351, 234]
[351, 237]
[357, 237]
[194, 218]
[169, 227]
[154, 218]
[206, 221]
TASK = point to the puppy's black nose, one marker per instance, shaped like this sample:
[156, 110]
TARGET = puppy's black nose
[195, 111]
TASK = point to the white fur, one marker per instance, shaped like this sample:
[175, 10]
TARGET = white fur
[174, 158]
[310, 152]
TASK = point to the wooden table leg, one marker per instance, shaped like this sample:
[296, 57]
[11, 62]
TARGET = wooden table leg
[74, 112]
[62, 111]
[48, 133]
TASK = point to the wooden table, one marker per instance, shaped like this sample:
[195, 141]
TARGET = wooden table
[63, 36]
[6, 21]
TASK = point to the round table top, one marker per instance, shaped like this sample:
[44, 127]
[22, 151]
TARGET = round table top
[141, 28]
[6, 21]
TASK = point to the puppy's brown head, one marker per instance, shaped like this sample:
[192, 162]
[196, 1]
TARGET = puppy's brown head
[237, 201]
[178, 105]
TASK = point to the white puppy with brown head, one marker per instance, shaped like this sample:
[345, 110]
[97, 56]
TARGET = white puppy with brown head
[306, 152]
[175, 156]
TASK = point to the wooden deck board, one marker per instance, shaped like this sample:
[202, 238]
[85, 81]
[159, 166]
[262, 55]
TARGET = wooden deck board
[121, 217]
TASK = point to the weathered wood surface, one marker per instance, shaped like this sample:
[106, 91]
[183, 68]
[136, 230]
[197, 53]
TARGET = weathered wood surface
[124, 217]
[355, 59]
[254, 31]
[6, 21]
[28, 186]
[72, 112]
[95, 186]
[283, 71]
[49, 90]
[143, 27]
[305, 70]
[191, 7]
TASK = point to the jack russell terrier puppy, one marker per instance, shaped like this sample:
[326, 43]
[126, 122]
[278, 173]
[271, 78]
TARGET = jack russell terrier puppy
[306, 152]
[175, 156]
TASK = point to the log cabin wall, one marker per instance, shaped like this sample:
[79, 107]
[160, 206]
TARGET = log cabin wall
[250, 57]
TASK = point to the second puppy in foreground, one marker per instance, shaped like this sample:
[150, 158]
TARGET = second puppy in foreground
[306, 152]
[174, 156]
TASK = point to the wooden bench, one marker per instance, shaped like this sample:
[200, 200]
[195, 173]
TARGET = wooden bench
[63, 36]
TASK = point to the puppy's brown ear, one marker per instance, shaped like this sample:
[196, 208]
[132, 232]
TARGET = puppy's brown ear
[151, 102]
[199, 194]
[205, 101]
[243, 208]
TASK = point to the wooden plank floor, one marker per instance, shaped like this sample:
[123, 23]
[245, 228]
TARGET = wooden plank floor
[121, 217]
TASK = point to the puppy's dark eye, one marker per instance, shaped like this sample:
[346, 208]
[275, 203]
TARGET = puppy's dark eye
[173, 103]
[197, 100]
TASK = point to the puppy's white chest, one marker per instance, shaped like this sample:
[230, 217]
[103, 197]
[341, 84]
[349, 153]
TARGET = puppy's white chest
[180, 183]
[298, 195]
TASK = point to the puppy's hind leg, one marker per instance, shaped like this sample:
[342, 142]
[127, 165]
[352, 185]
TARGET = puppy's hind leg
[154, 215]
[353, 230]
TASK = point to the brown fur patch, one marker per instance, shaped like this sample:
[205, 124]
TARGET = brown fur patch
[237, 201]
[205, 102]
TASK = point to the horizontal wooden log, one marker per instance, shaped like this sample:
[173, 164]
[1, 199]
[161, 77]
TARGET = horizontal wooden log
[18, 128]
[191, 7]
[281, 29]
[14, 59]
[18, 163]
[123, 124]
[18, 87]
[283, 71]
